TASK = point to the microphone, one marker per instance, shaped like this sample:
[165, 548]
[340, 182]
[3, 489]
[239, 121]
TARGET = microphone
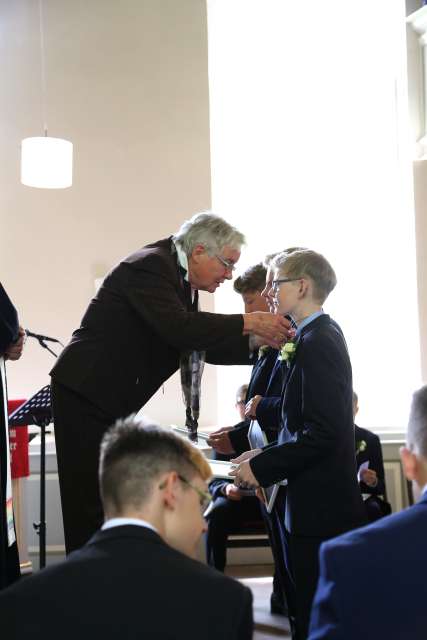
[30, 334]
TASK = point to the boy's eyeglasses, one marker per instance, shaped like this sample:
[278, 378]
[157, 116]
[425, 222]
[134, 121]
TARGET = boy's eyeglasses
[276, 283]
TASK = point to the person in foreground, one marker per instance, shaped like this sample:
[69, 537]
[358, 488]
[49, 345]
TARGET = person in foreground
[136, 578]
[316, 438]
[372, 580]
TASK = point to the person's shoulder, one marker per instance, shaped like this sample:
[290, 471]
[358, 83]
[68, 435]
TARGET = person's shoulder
[156, 251]
[365, 434]
[324, 339]
[382, 534]
[207, 578]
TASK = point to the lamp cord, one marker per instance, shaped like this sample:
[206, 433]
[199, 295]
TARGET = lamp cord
[42, 68]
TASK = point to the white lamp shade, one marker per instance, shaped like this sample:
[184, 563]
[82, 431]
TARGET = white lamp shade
[47, 163]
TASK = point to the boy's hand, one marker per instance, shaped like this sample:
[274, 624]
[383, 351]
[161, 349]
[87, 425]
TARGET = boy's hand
[243, 476]
[250, 409]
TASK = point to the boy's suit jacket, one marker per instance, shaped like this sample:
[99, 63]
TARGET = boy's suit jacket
[315, 449]
[372, 581]
[133, 331]
[260, 376]
[259, 384]
[373, 453]
[127, 583]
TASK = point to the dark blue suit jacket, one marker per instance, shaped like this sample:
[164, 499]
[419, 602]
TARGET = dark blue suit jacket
[260, 377]
[315, 450]
[374, 454]
[259, 384]
[372, 582]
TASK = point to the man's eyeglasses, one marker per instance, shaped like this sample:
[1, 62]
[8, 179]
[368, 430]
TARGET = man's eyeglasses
[276, 283]
[230, 266]
[205, 496]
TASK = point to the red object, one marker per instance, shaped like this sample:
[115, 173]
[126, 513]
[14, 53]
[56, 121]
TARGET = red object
[18, 442]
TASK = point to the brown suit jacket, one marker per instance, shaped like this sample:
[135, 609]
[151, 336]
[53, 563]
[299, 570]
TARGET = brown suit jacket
[134, 329]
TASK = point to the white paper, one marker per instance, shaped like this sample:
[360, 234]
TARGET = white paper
[364, 465]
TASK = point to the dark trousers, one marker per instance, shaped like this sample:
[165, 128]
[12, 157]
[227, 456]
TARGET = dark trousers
[273, 521]
[302, 562]
[225, 517]
[79, 428]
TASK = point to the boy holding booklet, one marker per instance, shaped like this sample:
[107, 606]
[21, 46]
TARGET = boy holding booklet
[315, 447]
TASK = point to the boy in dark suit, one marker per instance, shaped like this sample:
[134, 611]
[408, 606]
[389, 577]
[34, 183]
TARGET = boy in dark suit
[372, 478]
[316, 440]
[136, 577]
[373, 581]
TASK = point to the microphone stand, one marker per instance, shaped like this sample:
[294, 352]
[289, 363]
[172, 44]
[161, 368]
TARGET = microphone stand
[40, 412]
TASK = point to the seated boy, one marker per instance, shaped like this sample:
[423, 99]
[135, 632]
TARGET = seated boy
[316, 439]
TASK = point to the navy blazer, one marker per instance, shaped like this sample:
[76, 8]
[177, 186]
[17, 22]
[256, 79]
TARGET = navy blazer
[126, 582]
[372, 582]
[315, 450]
[259, 385]
[374, 454]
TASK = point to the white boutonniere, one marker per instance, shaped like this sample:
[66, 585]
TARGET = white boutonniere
[262, 351]
[360, 446]
[287, 352]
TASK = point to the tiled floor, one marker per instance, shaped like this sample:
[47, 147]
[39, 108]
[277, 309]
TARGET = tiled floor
[258, 579]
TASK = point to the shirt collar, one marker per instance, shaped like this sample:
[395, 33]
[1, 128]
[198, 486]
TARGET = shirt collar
[307, 321]
[120, 522]
[182, 259]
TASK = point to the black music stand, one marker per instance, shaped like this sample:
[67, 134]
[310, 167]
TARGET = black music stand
[37, 410]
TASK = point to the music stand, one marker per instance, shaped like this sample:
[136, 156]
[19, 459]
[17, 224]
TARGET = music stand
[37, 410]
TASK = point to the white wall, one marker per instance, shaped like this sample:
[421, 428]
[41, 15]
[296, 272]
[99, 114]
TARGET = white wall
[127, 84]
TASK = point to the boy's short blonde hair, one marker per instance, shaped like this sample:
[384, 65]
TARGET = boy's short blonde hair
[308, 264]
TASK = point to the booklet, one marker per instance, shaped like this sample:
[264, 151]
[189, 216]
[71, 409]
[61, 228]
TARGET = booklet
[258, 440]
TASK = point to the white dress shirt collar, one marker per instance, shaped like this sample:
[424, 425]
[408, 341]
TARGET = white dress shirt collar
[121, 522]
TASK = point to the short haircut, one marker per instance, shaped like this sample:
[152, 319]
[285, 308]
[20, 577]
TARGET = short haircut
[133, 457]
[253, 279]
[209, 230]
[417, 427]
[270, 257]
[309, 264]
[241, 393]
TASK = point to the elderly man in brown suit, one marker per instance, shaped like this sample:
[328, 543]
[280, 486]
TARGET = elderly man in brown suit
[132, 338]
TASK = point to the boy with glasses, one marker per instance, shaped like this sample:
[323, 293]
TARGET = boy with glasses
[316, 439]
[136, 578]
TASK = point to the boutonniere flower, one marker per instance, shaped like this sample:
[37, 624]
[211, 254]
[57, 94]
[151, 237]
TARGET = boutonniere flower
[360, 446]
[262, 351]
[287, 352]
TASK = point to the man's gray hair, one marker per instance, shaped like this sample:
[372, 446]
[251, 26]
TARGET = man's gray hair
[211, 231]
[417, 427]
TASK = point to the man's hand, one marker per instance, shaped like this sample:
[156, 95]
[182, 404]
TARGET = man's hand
[220, 441]
[274, 330]
[14, 350]
[232, 492]
[369, 477]
[250, 409]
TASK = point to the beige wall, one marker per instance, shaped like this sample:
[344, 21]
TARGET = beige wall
[127, 84]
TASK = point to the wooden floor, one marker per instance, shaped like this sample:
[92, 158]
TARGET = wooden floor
[259, 579]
